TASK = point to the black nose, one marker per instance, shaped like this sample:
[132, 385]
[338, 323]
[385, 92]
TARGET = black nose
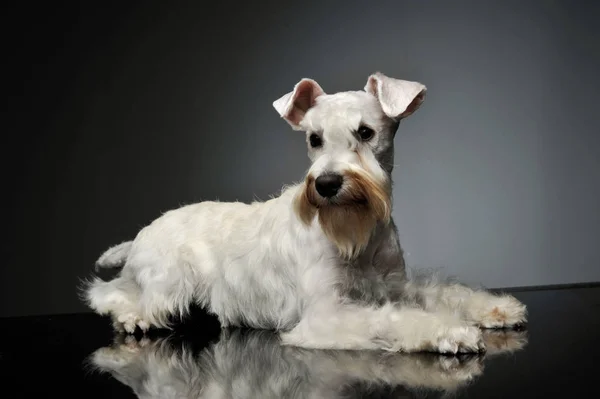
[328, 185]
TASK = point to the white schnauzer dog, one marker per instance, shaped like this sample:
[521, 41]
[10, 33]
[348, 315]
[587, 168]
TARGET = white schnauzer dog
[321, 263]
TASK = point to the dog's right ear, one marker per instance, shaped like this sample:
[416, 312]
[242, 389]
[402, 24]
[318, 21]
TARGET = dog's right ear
[293, 106]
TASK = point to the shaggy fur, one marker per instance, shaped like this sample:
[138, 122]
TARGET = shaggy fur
[253, 364]
[325, 271]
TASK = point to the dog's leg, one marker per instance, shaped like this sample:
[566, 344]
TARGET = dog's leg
[164, 302]
[478, 307]
[118, 298]
[169, 287]
[392, 328]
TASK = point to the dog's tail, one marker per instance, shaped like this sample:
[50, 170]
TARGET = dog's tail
[114, 256]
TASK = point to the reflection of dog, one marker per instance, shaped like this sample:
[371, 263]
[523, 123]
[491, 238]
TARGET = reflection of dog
[321, 262]
[503, 342]
[253, 364]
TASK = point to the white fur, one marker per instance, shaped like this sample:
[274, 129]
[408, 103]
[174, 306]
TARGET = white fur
[258, 265]
[254, 365]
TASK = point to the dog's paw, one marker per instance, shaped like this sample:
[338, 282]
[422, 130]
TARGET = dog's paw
[128, 322]
[447, 339]
[497, 311]
[459, 339]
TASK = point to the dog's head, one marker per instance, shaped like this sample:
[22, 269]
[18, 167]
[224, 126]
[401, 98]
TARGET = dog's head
[350, 137]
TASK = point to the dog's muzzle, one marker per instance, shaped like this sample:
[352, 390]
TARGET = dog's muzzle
[348, 207]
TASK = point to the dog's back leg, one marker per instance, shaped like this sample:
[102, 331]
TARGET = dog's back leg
[169, 290]
[163, 273]
[118, 298]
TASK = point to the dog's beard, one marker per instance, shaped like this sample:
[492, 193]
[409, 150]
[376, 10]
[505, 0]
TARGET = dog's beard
[349, 219]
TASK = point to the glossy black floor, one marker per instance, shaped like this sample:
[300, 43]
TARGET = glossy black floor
[556, 356]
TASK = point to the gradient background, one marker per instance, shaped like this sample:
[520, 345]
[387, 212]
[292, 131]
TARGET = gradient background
[116, 113]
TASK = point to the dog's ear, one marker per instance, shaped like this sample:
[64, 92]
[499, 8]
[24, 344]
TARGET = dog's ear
[293, 106]
[398, 98]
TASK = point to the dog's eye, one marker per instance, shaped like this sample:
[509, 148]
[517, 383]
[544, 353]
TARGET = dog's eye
[365, 133]
[315, 140]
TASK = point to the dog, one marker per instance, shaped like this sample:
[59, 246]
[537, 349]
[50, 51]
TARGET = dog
[252, 364]
[321, 262]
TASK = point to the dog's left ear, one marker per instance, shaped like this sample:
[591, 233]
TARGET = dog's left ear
[398, 98]
[293, 106]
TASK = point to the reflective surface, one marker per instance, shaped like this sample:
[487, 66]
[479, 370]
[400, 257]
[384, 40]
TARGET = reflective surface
[556, 356]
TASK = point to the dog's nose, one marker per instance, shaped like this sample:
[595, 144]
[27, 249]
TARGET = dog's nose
[328, 185]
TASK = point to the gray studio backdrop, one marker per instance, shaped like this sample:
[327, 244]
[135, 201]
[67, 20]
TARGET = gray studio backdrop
[497, 175]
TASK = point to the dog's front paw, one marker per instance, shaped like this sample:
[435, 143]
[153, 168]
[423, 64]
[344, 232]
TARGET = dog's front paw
[497, 311]
[447, 339]
[459, 339]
